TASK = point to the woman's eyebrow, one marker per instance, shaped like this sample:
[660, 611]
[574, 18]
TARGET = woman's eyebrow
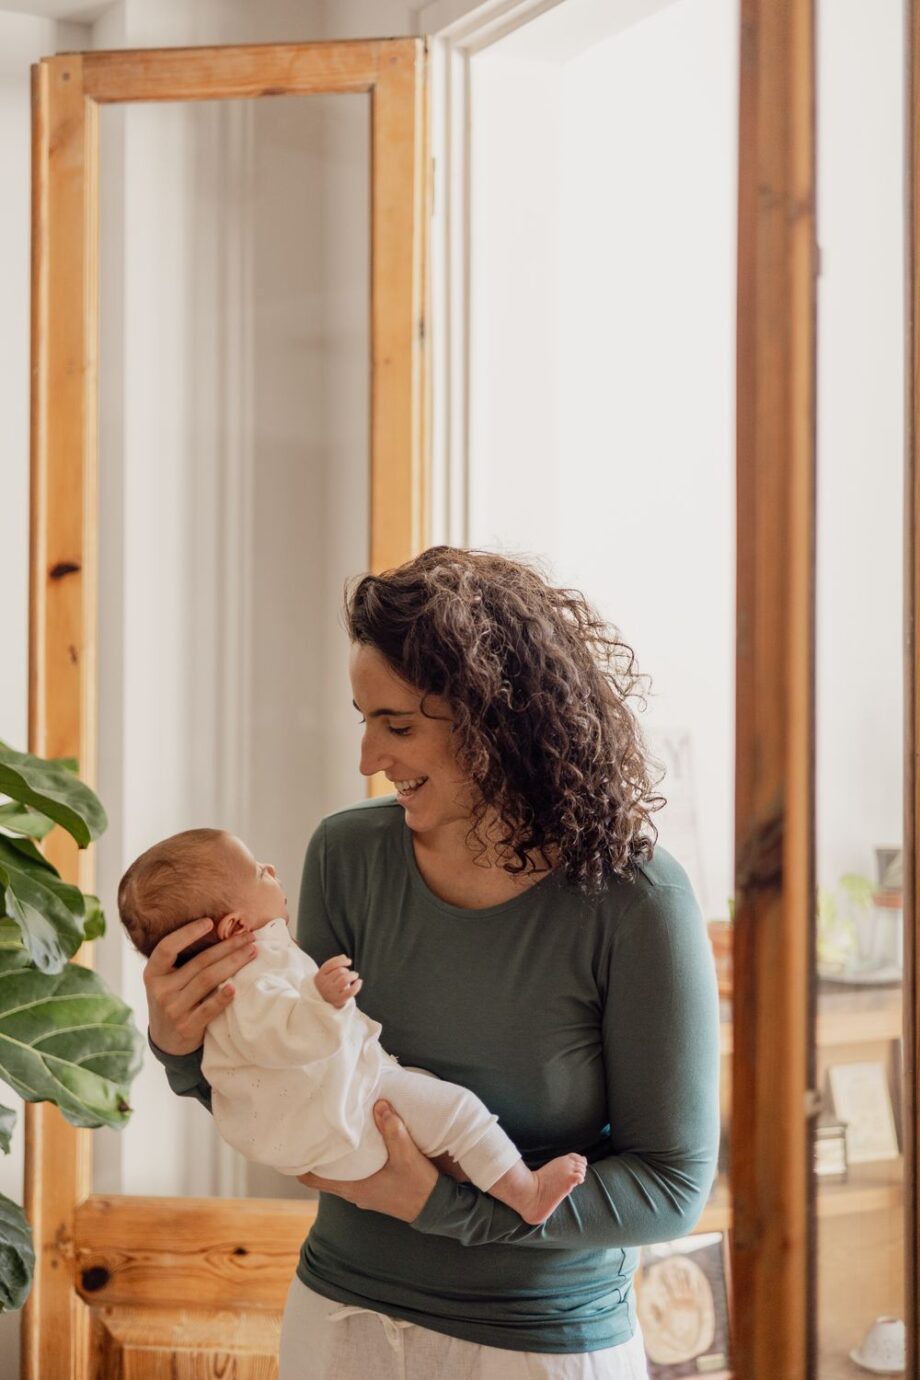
[385, 713]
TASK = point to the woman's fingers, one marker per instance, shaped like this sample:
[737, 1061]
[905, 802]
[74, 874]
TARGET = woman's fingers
[164, 956]
[216, 972]
[205, 1013]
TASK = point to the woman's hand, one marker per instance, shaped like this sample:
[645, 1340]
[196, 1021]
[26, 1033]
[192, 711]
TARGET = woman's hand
[404, 1184]
[182, 1001]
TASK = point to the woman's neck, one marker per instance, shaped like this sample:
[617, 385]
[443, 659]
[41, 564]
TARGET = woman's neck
[459, 872]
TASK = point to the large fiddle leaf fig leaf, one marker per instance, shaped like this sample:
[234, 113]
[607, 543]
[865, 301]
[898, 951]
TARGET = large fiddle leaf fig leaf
[52, 789]
[19, 819]
[64, 1038]
[49, 912]
[17, 1257]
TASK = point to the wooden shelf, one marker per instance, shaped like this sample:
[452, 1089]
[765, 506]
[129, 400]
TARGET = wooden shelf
[869, 1188]
[846, 1016]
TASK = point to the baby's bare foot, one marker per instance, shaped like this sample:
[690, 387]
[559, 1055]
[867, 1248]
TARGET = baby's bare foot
[553, 1182]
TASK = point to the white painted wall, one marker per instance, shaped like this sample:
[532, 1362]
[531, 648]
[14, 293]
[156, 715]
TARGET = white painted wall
[860, 434]
[602, 435]
[603, 359]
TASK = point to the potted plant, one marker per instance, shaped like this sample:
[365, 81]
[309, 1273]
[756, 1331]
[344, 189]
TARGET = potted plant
[64, 1037]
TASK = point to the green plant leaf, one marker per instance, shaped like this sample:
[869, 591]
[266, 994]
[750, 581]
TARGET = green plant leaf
[53, 790]
[17, 1256]
[64, 1038]
[94, 922]
[857, 889]
[21, 820]
[7, 1125]
[48, 911]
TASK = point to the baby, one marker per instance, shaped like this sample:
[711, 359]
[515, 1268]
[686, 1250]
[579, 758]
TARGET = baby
[294, 1066]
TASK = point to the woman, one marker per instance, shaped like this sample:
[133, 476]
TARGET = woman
[517, 931]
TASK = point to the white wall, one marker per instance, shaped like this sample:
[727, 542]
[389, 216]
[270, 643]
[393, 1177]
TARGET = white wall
[860, 434]
[603, 267]
[603, 362]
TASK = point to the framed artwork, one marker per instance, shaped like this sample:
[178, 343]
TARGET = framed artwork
[682, 1302]
[861, 1099]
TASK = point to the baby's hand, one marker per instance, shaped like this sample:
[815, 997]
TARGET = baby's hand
[335, 983]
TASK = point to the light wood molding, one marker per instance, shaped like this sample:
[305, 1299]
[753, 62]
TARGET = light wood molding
[236, 72]
[398, 346]
[174, 1250]
[774, 846]
[138, 1343]
[62, 658]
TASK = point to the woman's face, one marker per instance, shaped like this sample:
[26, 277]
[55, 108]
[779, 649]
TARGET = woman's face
[414, 750]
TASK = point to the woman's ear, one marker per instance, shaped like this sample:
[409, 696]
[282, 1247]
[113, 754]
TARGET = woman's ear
[230, 924]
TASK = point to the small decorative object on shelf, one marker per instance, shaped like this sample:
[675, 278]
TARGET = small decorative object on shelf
[860, 940]
[861, 1099]
[682, 1302]
[830, 1149]
[883, 1350]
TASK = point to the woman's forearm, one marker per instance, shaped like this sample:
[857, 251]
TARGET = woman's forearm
[626, 1200]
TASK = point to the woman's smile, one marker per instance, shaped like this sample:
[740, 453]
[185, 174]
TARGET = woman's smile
[407, 790]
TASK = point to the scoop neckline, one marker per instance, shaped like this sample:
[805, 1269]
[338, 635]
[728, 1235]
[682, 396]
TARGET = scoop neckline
[465, 912]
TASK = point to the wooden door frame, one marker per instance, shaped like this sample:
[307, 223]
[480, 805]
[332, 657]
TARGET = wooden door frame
[82, 1244]
[772, 1099]
[911, 989]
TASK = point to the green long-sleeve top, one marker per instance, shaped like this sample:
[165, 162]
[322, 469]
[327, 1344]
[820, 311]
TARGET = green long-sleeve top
[584, 1023]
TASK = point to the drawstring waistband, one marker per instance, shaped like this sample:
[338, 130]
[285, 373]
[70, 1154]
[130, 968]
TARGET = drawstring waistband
[393, 1329]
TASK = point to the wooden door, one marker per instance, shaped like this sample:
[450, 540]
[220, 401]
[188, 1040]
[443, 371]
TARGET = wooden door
[150, 1287]
[774, 812]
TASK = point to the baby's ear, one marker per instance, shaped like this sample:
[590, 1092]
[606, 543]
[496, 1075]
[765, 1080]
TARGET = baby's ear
[229, 925]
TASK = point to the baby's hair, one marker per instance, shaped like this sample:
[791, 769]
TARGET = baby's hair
[179, 879]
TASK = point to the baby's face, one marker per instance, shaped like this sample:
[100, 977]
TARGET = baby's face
[258, 895]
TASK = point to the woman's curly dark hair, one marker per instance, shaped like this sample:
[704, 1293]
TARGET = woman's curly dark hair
[539, 687]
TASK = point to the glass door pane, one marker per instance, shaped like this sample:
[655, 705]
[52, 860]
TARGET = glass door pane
[859, 1197]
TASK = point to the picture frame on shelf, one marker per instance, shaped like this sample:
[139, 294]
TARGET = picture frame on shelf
[862, 1099]
[683, 1297]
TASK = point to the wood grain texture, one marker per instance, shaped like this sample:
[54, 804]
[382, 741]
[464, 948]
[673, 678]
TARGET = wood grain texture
[911, 990]
[399, 350]
[62, 623]
[179, 1344]
[774, 825]
[238, 72]
[169, 1251]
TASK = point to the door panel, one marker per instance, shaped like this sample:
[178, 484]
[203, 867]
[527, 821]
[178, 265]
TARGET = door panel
[115, 1275]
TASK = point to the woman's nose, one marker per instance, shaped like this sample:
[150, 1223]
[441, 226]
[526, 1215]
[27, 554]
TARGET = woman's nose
[372, 758]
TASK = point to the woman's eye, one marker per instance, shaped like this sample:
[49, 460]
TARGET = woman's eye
[400, 732]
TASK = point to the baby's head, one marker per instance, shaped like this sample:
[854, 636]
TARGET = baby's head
[190, 875]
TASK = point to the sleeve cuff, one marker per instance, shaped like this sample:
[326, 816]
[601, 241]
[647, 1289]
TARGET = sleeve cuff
[177, 1063]
[441, 1201]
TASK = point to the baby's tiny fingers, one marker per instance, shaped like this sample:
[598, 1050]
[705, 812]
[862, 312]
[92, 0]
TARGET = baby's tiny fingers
[332, 964]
